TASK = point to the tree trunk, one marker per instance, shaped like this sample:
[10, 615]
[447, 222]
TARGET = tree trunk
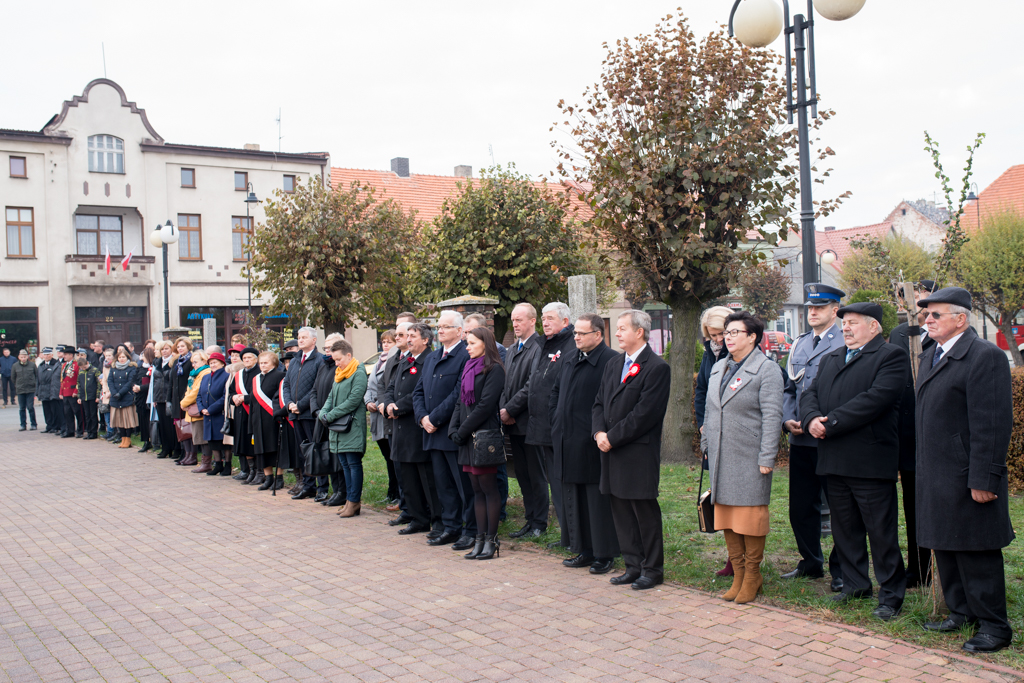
[332, 326]
[677, 437]
[1006, 327]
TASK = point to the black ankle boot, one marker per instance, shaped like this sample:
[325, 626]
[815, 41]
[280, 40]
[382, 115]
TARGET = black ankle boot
[477, 548]
[267, 482]
[145, 447]
[250, 477]
[278, 482]
[218, 467]
[259, 480]
[491, 548]
[226, 472]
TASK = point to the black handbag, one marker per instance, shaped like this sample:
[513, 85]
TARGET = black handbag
[488, 448]
[342, 425]
[317, 455]
[705, 508]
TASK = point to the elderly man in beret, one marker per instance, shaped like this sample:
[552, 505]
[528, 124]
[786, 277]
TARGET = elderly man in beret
[851, 409]
[964, 418]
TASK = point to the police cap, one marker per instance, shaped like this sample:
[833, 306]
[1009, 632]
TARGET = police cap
[818, 294]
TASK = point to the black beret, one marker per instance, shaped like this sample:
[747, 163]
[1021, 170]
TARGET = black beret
[957, 296]
[288, 355]
[249, 349]
[868, 308]
[926, 285]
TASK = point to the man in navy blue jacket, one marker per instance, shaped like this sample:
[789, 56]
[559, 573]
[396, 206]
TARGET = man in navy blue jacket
[434, 401]
[298, 391]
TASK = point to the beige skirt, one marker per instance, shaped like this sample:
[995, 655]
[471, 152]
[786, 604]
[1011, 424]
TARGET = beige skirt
[749, 520]
[124, 418]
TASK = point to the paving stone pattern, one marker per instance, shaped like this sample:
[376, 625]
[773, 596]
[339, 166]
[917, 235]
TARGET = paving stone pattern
[115, 566]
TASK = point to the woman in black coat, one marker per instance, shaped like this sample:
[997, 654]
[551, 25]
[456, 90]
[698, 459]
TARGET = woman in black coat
[141, 390]
[179, 386]
[239, 390]
[263, 423]
[162, 396]
[483, 379]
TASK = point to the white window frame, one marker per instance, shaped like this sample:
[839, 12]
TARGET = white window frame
[106, 154]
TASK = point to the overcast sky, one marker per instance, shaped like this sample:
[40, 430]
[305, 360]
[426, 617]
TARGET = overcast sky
[443, 82]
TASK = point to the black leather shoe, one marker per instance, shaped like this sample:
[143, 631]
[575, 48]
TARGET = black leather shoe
[644, 583]
[836, 585]
[321, 497]
[145, 447]
[434, 533]
[945, 626]
[399, 520]
[335, 500]
[800, 573]
[602, 566]
[885, 612]
[412, 528]
[986, 642]
[304, 493]
[578, 562]
[444, 539]
[67, 436]
[22, 429]
[464, 543]
[522, 532]
[623, 579]
[162, 455]
[847, 597]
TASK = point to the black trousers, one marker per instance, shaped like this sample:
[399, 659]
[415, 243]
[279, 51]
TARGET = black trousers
[71, 415]
[533, 481]
[421, 503]
[638, 527]
[90, 417]
[862, 510]
[142, 410]
[974, 585]
[588, 521]
[53, 413]
[385, 450]
[805, 489]
[455, 493]
[168, 437]
[919, 566]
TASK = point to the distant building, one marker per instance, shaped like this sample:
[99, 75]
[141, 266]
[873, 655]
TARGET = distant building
[1006, 193]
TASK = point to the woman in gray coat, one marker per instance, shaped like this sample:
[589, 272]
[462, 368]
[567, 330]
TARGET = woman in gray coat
[742, 423]
[380, 426]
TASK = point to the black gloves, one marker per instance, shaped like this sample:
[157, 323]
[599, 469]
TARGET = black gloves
[457, 439]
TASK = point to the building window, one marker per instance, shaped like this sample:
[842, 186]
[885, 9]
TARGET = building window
[289, 184]
[188, 177]
[98, 235]
[19, 329]
[106, 154]
[241, 180]
[20, 233]
[241, 232]
[18, 169]
[190, 244]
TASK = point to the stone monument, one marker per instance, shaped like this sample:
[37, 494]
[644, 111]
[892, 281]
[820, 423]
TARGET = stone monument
[582, 295]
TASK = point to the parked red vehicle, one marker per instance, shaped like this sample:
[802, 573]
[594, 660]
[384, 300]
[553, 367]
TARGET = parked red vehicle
[776, 345]
[1018, 333]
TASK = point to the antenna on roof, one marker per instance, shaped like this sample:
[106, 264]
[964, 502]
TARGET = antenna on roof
[490, 150]
[103, 49]
[278, 129]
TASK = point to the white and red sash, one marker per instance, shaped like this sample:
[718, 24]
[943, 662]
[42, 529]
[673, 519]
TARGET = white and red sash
[261, 397]
[280, 400]
[240, 388]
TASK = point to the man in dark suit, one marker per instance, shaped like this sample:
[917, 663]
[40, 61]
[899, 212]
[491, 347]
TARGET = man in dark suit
[851, 408]
[421, 504]
[627, 420]
[298, 392]
[588, 512]
[434, 402]
[529, 465]
[396, 355]
[964, 420]
[918, 558]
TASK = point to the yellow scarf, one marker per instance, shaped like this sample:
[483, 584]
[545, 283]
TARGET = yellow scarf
[347, 371]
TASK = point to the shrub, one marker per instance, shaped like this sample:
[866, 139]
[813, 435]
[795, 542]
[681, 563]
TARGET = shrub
[1015, 454]
[889, 319]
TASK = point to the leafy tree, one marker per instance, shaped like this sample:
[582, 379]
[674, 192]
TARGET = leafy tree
[889, 317]
[882, 264]
[955, 238]
[506, 238]
[990, 267]
[765, 289]
[333, 256]
[685, 152]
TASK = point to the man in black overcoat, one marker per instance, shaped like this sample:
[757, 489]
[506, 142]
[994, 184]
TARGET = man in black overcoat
[852, 409]
[588, 512]
[627, 420]
[298, 393]
[918, 558]
[964, 420]
[421, 503]
[396, 356]
[322, 386]
[520, 359]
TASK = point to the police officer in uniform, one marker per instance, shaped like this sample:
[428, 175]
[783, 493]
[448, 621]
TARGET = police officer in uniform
[806, 487]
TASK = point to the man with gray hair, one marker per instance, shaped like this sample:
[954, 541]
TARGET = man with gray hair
[397, 354]
[298, 392]
[557, 348]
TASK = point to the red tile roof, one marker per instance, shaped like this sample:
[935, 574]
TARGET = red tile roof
[423, 194]
[1006, 192]
[839, 240]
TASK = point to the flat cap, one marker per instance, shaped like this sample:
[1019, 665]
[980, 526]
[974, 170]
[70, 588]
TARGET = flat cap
[291, 343]
[868, 308]
[958, 296]
[926, 285]
[818, 294]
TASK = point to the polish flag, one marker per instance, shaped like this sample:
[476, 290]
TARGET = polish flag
[125, 261]
[107, 262]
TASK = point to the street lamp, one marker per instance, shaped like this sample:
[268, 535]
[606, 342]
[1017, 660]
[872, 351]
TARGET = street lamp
[250, 199]
[160, 238]
[757, 23]
[827, 257]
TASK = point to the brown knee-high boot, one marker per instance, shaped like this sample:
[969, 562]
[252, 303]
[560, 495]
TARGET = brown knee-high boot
[752, 580]
[735, 545]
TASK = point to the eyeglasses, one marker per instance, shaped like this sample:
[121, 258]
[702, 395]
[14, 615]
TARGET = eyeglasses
[447, 327]
[734, 333]
[936, 315]
[583, 334]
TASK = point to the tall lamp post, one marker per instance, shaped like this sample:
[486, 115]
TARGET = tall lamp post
[250, 199]
[160, 238]
[757, 23]
[975, 196]
[827, 257]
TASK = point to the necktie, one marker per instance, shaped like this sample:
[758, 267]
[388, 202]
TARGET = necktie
[444, 355]
[851, 353]
[582, 357]
[520, 346]
[625, 368]
[817, 338]
[937, 356]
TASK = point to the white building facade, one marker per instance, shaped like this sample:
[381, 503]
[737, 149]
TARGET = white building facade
[99, 179]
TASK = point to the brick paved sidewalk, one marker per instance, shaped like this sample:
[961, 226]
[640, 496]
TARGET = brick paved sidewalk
[115, 566]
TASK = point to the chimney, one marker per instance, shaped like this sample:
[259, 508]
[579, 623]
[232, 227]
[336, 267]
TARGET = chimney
[252, 146]
[400, 167]
[829, 228]
[463, 171]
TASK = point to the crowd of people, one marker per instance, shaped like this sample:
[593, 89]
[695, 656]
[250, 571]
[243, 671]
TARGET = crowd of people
[583, 425]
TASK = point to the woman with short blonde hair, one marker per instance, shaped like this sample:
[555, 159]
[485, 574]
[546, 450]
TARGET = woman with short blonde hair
[200, 369]
[122, 402]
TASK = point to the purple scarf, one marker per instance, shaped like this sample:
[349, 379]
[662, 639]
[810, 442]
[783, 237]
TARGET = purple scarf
[472, 368]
